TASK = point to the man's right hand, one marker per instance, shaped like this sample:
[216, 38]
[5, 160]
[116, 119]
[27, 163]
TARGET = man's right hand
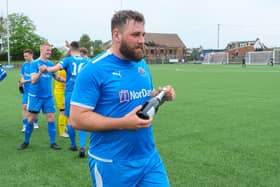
[133, 122]
[42, 69]
[67, 43]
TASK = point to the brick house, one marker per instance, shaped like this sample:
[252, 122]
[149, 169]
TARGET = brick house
[238, 49]
[164, 48]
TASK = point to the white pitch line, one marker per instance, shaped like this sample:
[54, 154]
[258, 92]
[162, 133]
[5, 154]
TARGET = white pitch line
[223, 71]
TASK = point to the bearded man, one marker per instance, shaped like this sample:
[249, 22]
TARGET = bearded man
[107, 95]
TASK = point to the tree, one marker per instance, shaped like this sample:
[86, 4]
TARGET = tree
[2, 30]
[56, 54]
[2, 25]
[85, 41]
[94, 47]
[22, 35]
[97, 44]
[97, 47]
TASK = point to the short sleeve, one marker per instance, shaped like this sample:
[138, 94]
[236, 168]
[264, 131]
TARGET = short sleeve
[87, 87]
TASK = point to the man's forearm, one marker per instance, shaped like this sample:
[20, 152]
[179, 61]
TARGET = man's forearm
[91, 121]
[35, 77]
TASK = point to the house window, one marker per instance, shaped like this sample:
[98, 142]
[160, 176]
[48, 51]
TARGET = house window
[152, 51]
[243, 44]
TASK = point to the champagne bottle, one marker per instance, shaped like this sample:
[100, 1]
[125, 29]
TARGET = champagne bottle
[151, 106]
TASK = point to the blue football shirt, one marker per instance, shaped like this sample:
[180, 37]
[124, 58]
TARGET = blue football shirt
[43, 87]
[72, 66]
[113, 87]
[3, 74]
[25, 74]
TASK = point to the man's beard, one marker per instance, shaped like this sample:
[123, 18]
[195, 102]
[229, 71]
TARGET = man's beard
[134, 54]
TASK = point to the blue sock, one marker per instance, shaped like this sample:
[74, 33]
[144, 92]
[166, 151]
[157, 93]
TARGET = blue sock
[83, 138]
[25, 122]
[72, 135]
[28, 132]
[36, 120]
[51, 131]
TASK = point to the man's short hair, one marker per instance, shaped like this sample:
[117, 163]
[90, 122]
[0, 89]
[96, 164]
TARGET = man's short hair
[122, 17]
[45, 44]
[74, 45]
[28, 51]
[83, 50]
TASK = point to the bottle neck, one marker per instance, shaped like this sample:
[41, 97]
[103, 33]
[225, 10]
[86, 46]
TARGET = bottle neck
[160, 95]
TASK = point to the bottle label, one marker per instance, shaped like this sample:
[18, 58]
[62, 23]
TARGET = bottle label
[151, 112]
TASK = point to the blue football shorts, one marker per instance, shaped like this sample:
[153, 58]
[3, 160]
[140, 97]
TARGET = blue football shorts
[148, 172]
[35, 104]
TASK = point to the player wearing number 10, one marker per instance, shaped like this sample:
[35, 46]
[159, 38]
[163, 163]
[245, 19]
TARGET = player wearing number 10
[72, 65]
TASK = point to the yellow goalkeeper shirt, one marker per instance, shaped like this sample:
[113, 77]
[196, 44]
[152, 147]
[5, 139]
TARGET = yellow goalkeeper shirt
[59, 86]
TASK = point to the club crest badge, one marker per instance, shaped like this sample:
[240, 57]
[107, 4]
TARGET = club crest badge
[141, 71]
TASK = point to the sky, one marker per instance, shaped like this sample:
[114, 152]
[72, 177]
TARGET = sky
[195, 21]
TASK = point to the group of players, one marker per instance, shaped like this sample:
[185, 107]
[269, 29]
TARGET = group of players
[37, 93]
[122, 150]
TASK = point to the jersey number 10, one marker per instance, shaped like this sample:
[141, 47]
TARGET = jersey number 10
[76, 69]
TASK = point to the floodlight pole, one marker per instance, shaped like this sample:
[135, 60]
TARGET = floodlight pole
[218, 42]
[121, 4]
[8, 32]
